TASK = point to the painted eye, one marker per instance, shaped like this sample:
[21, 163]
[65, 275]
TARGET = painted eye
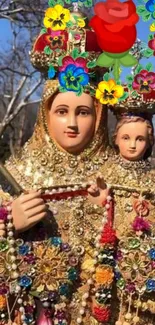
[61, 112]
[83, 113]
[141, 139]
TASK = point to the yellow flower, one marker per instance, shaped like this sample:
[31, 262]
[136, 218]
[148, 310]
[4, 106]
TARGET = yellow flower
[108, 92]
[152, 27]
[81, 22]
[56, 18]
[88, 264]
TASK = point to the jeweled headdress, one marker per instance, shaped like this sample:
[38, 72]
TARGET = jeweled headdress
[66, 48]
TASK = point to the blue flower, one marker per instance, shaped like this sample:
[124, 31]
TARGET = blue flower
[51, 72]
[73, 78]
[152, 253]
[150, 6]
[23, 249]
[150, 285]
[25, 281]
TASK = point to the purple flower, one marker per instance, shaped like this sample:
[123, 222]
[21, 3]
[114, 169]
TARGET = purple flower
[3, 214]
[4, 289]
[130, 287]
[29, 309]
[30, 259]
[144, 82]
[139, 224]
[119, 255]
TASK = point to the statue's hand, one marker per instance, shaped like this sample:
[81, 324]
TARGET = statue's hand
[98, 192]
[28, 210]
[2, 229]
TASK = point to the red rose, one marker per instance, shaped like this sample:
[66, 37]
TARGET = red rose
[114, 25]
[102, 314]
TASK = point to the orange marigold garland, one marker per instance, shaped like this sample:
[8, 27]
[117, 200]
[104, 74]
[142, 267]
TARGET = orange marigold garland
[104, 274]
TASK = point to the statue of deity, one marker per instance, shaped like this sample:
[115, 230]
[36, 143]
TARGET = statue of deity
[73, 252]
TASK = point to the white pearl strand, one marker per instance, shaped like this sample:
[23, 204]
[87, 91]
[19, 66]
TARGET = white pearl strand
[14, 266]
[90, 281]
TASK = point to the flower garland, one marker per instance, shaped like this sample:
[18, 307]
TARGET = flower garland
[137, 255]
[102, 273]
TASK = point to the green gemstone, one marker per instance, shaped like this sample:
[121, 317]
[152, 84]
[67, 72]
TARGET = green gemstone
[4, 245]
[72, 274]
[121, 284]
[134, 243]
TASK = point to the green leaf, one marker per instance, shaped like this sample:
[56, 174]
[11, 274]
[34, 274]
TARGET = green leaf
[130, 86]
[128, 60]
[43, 31]
[80, 91]
[129, 78]
[47, 50]
[139, 68]
[62, 90]
[51, 3]
[147, 53]
[150, 37]
[84, 55]
[140, 10]
[105, 61]
[69, 24]
[124, 97]
[75, 17]
[134, 93]
[60, 2]
[149, 66]
[106, 76]
[68, 2]
[91, 64]
[88, 3]
[60, 61]
[75, 53]
[146, 16]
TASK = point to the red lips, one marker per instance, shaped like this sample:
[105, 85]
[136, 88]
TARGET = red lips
[71, 134]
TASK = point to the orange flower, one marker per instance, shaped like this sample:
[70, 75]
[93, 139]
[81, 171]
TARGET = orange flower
[2, 302]
[104, 275]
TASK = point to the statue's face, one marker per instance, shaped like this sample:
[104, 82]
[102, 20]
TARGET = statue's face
[132, 140]
[72, 121]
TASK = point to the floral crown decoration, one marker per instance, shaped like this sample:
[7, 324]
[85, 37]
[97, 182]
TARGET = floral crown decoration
[66, 49]
[114, 23]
